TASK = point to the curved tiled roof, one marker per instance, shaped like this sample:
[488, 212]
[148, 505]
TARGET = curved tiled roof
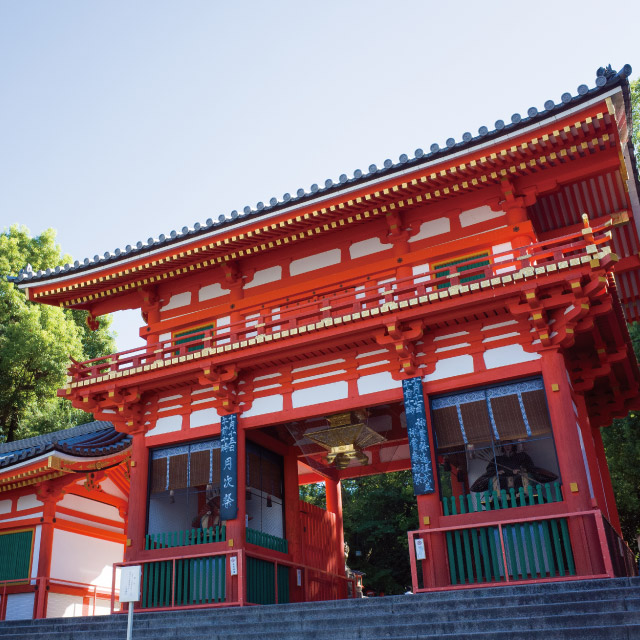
[93, 439]
[606, 79]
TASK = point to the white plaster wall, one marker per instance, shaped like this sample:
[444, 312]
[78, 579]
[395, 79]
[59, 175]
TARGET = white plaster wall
[265, 276]
[203, 417]
[83, 558]
[508, 355]
[29, 502]
[451, 367]
[367, 247]
[211, 291]
[316, 261]
[166, 425]
[321, 393]
[90, 507]
[5, 506]
[177, 301]
[20, 606]
[268, 404]
[37, 536]
[479, 214]
[432, 228]
[377, 382]
[108, 486]
[62, 605]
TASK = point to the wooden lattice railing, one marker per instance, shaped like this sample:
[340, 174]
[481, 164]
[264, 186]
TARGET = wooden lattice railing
[351, 300]
[494, 500]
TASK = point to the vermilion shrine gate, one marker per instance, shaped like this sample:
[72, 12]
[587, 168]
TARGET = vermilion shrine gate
[461, 314]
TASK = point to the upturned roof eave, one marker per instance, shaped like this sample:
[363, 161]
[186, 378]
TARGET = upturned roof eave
[242, 221]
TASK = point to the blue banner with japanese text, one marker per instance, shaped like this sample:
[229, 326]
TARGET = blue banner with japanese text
[419, 448]
[229, 467]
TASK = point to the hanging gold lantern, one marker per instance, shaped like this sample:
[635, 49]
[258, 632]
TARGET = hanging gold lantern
[346, 438]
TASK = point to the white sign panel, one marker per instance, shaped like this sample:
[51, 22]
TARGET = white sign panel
[130, 583]
[233, 565]
[420, 552]
[299, 577]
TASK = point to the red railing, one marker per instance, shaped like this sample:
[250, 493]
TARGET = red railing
[362, 297]
[43, 587]
[541, 548]
[314, 583]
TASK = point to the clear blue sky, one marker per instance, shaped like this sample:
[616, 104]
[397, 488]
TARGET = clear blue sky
[121, 120]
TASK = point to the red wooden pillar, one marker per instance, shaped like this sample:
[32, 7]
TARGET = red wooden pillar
[137, 515]
[50, 500]
[605, 476]
[575, 488]
[435, 572]
[236, 528]
[333, 490]
[293, 525]
[599, 500]
[292, 505]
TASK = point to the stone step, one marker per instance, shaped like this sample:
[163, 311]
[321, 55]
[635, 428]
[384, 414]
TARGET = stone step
[427, 602]
[550, 609]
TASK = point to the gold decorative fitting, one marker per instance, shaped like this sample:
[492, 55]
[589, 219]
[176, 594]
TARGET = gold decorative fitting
[346, 438]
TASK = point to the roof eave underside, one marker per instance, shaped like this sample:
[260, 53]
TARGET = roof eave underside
[576, 104]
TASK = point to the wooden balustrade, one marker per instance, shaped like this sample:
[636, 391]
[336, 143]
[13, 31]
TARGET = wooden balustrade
[347, 298]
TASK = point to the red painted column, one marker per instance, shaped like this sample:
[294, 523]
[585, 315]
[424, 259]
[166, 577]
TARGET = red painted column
[435, 572]
[236, 528]
[137, 517]
[333, 490]
[292, 505]
[584, 538]
[50, 500]
[599, 500]
[603, 467]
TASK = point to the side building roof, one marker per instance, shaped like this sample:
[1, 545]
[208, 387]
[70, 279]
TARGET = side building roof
[93, 439]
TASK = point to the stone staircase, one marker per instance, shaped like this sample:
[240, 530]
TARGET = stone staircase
[585, 610]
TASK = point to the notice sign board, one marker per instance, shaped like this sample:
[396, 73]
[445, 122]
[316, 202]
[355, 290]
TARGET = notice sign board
[130, 583]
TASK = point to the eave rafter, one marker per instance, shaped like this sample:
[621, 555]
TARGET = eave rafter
[54, 467]
[572, 140]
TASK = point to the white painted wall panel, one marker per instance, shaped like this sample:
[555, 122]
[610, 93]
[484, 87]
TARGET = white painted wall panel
[367, 247]
[108, 486]
[20, 606]
[319, 394]
[29, 502]
[212, 291]
[432, 228]
[314, 262]
[166, 425]
[62, 605]
[451, 367]
[177, 301]
[265, 276]
[92, 558]
[91, 507]
[37, 536]
[5, 506]
[377, 382]
[203, 417]
[479, 214]
[268, 404]
[505, 356]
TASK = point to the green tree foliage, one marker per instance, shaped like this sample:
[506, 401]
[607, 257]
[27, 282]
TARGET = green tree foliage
[36, 342]
[622, 447]
[635, 108]
[378, 511]
[621, 440]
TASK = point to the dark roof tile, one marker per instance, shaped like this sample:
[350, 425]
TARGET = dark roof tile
[606, 79]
